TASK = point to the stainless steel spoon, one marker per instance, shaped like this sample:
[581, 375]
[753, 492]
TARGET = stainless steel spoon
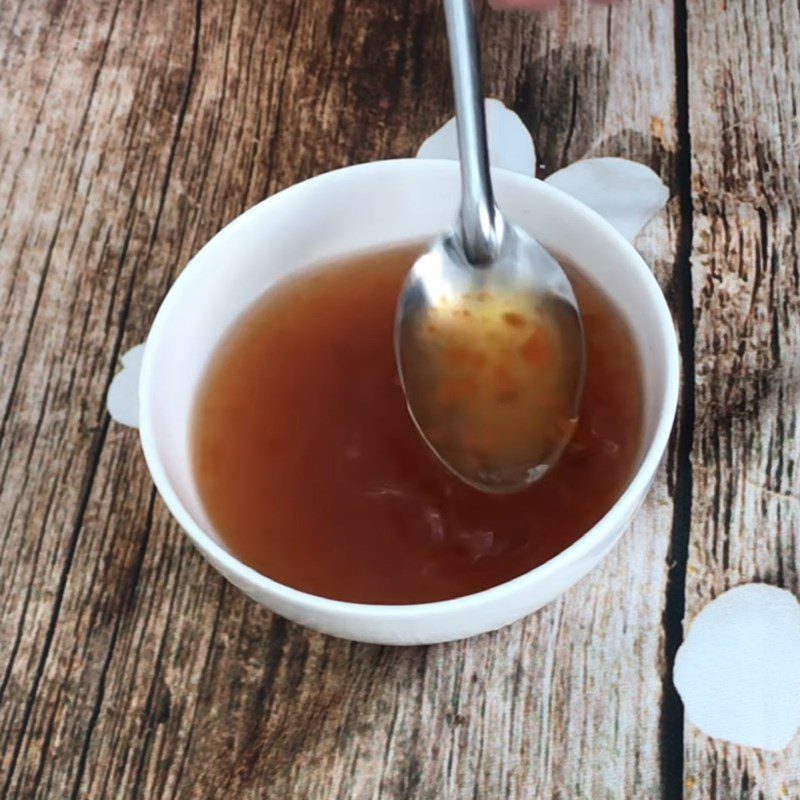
[488, 335]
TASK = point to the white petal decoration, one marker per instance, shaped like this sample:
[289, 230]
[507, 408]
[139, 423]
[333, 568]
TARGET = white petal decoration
[738, 672]
[624, 193]
[510, 143]
[123, 394]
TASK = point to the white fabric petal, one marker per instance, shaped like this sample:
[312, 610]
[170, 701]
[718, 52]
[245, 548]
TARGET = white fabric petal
[624, 193]
[510, 143]
[738, 672]
[123, 394]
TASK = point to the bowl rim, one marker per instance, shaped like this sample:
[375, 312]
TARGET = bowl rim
[604, 531]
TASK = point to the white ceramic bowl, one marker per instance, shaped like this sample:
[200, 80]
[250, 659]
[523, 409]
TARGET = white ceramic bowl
[354, 209]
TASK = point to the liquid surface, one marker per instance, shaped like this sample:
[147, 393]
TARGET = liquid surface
[312, 472]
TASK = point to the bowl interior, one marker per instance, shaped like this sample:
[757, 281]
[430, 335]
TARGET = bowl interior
[359, 208]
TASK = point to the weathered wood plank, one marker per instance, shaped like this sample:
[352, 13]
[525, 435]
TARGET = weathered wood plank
[744, 90]
[130, 668]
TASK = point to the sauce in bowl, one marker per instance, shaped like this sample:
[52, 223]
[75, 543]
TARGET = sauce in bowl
[312, 472]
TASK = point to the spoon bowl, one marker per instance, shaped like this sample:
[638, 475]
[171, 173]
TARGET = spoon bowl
[491, 360]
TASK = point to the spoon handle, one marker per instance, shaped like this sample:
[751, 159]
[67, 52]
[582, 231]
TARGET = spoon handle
[481, 224]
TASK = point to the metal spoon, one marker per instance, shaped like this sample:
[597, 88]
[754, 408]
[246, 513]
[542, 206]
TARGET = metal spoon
[488, 335]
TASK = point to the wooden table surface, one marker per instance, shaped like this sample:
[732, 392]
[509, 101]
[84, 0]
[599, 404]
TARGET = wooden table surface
[130, 132]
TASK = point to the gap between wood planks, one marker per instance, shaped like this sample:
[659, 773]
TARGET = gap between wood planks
[672, 722]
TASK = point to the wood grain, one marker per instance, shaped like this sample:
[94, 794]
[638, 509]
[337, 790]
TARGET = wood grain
[132, 132]
[744, 89]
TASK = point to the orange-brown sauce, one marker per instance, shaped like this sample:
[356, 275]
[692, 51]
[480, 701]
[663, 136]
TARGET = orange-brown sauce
[312, 472]
[492, 382]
